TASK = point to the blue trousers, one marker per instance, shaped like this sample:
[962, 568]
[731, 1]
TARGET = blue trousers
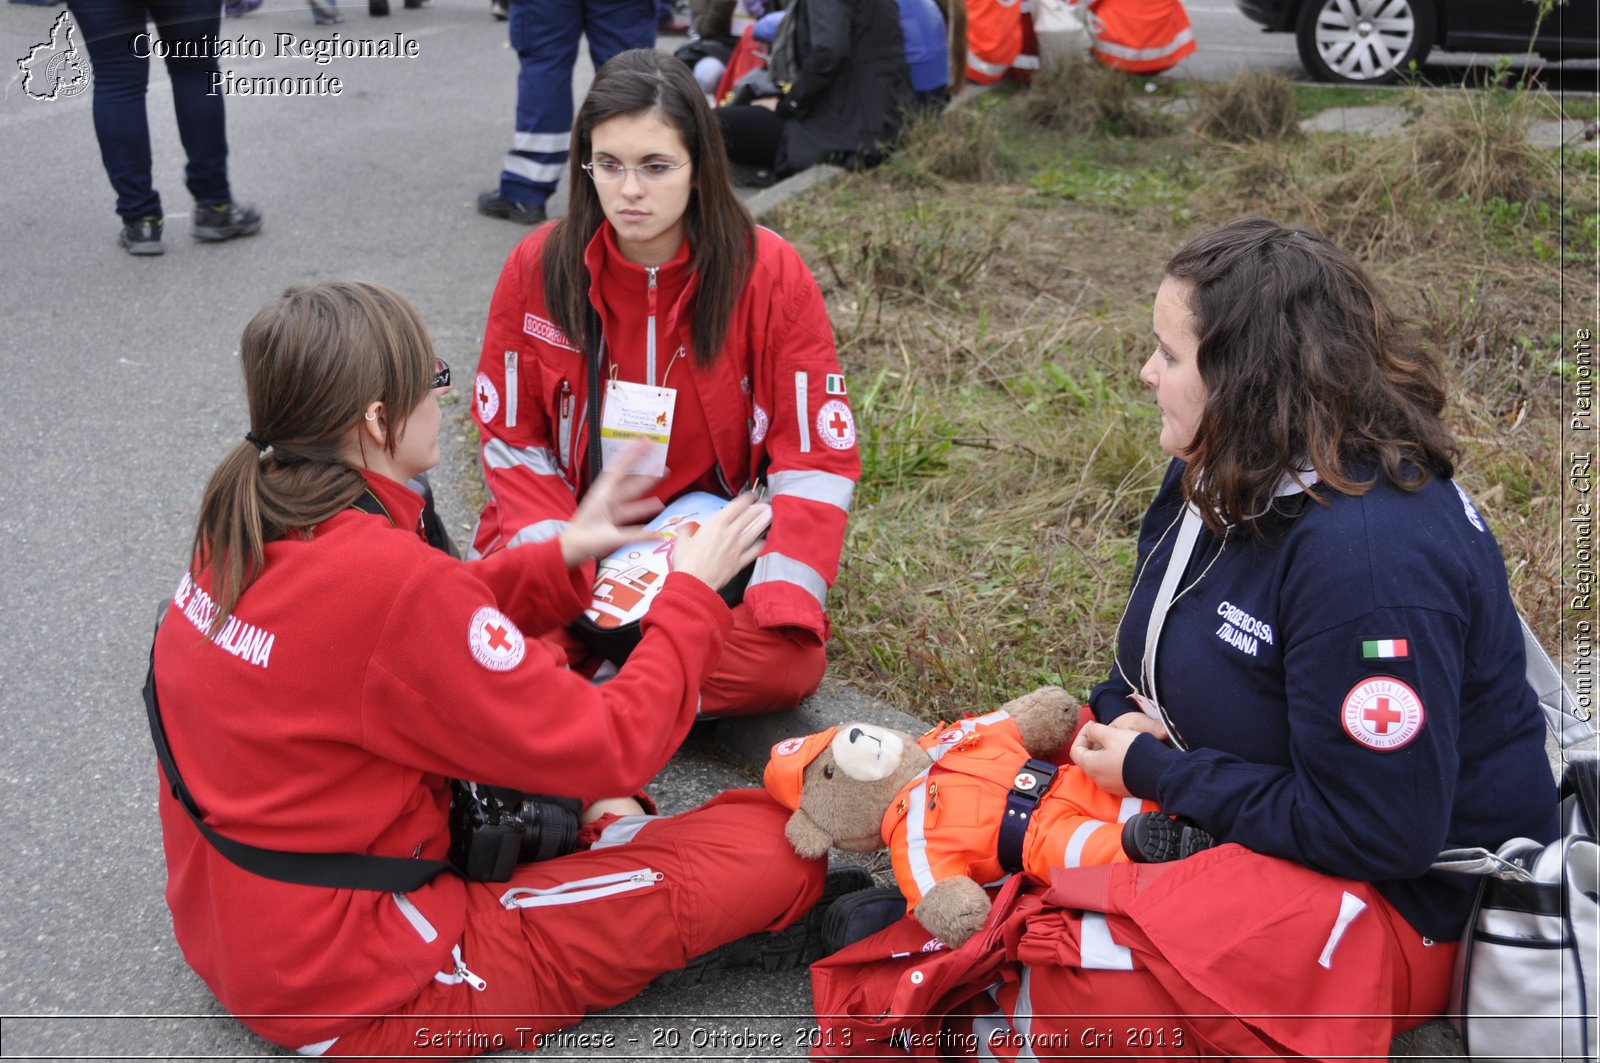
[111, 31]
[545, 34]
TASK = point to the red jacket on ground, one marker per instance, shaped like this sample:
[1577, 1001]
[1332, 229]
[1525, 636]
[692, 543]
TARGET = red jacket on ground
[357, 675]
[772, 403]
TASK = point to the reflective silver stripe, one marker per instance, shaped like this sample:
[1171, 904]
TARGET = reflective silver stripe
[541, 532]
[1025, 62]
[1097, 952]
[966, 727]
[1122, 51]
[545, 142]
[622, 830]
[1073, 857]
[990, 1030]
[542, 173]
[1131, 806]
[1022, 1017]
[320, 1048]
[801, 411]
[414, 916]
[498, 454]
[472, 551]
[776, 568]
[827, 487]
[916, 842]
[982, 67]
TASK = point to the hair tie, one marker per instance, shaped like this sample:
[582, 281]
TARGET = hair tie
[256, 441]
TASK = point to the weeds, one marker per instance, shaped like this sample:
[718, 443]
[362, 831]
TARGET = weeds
[993, 340]
[1078, 97]
[1253, 105]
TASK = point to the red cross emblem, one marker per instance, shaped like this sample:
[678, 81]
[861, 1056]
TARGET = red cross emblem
[494, 640]
[1382, 713]
[835, 425]
[488, 398]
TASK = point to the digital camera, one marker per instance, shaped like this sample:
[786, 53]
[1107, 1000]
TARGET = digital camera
[493, 829]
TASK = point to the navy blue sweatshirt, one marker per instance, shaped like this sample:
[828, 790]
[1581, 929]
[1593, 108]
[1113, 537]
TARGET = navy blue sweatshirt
[1350, 686]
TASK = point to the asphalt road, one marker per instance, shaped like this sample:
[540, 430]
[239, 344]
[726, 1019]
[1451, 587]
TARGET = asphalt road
[122, 391]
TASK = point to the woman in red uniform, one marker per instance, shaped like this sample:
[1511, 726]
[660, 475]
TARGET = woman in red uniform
[657, 297]
[323, 673]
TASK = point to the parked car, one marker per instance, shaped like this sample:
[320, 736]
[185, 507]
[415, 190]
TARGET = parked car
[1371, 42]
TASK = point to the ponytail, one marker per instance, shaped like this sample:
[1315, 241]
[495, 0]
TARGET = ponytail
[314, 359]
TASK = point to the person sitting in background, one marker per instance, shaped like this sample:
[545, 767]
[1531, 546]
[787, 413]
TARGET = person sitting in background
[838, 90]
[927, 55]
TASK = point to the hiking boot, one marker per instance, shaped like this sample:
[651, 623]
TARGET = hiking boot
[1155, 838]
[142, 236]
[860, 915]
[224, 221]
[773, 950]
[492, 204]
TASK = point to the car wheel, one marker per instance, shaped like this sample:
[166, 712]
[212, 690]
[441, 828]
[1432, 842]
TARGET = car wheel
[1364, 42]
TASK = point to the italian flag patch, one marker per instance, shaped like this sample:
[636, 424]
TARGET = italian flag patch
[834, 383]
[1386, 650]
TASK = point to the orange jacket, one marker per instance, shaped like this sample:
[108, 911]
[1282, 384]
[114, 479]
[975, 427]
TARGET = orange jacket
[1140, 36]
[946, 821]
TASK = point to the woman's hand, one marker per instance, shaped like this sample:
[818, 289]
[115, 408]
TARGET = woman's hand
[1100, 750]
[725, 543]
[1138, 721]
[611, 512]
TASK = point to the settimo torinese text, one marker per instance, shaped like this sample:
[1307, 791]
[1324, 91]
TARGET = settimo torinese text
[318, 50]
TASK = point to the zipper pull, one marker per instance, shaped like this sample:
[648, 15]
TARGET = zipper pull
[646, 876]
[465, 975]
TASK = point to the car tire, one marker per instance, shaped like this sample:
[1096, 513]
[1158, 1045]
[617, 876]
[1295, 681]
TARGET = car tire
[1364, 42]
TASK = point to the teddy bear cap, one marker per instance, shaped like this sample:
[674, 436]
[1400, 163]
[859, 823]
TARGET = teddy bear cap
[786, 767]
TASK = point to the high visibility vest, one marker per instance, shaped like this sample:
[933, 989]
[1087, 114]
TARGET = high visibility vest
[1140, 36]
[999, 40]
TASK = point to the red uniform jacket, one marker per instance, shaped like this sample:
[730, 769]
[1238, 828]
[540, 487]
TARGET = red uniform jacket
[773, 402]
[946, 821]
[358, 674]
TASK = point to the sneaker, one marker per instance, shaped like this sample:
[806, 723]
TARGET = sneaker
[142, 236]
[1155, 838]
[224, 221]
[860, 915]
[325, 12]
[492, 204]
[378, 8]
[499, 10]
[797, 945]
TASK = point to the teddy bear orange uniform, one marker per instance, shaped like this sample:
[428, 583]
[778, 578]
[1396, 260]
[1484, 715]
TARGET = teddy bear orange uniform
[946, 821]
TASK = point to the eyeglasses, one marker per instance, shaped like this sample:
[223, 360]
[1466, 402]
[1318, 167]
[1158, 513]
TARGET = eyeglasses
[610, 171]
[441, 374]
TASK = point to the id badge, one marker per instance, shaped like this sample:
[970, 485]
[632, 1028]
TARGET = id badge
[637, 411]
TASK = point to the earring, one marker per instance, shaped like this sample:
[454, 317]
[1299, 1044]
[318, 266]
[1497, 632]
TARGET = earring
[372, 416]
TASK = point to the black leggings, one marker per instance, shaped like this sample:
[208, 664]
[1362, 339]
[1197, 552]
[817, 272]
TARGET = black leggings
[752, 134]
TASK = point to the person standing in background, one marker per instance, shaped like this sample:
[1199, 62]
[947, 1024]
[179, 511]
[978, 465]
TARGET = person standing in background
[113, 31]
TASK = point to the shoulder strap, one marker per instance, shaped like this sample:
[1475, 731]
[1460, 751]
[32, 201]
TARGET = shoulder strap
[593, 457]
[351, 871]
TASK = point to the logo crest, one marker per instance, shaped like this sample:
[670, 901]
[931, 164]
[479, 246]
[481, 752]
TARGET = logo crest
[788, 747]
[759, 423]
[835, 426]
[1382, 713]
[55, 69]
[494, 640]
[487, 396]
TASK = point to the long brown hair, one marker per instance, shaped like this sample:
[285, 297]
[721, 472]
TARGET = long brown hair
[719, 229]
[1302, 362]
[314, 359]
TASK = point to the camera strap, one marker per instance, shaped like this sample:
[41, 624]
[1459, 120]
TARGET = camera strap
[349, 871]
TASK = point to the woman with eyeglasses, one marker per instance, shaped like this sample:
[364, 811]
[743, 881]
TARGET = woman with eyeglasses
[322, 674]
[657, 297]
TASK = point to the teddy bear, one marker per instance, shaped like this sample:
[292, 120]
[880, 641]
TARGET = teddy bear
[965, 804]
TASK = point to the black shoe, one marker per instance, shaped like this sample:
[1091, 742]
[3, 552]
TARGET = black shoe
[861, 915]
[492, 204]
[142, 236]
[778, 950]
[378, 7]
[1155, 838]
[415, 3]
[224, 221]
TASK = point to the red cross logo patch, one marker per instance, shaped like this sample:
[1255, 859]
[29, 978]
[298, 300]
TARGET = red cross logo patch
[1382, 713]
[788, 747]
[759, 422]
[835, 426]
[494, 640]
[487, 398]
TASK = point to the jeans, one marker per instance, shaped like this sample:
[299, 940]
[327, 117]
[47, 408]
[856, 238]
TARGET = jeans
[545, 34]
[114, 33]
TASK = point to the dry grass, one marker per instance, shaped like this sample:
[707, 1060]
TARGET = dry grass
[992, 342]
[1254, 105]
